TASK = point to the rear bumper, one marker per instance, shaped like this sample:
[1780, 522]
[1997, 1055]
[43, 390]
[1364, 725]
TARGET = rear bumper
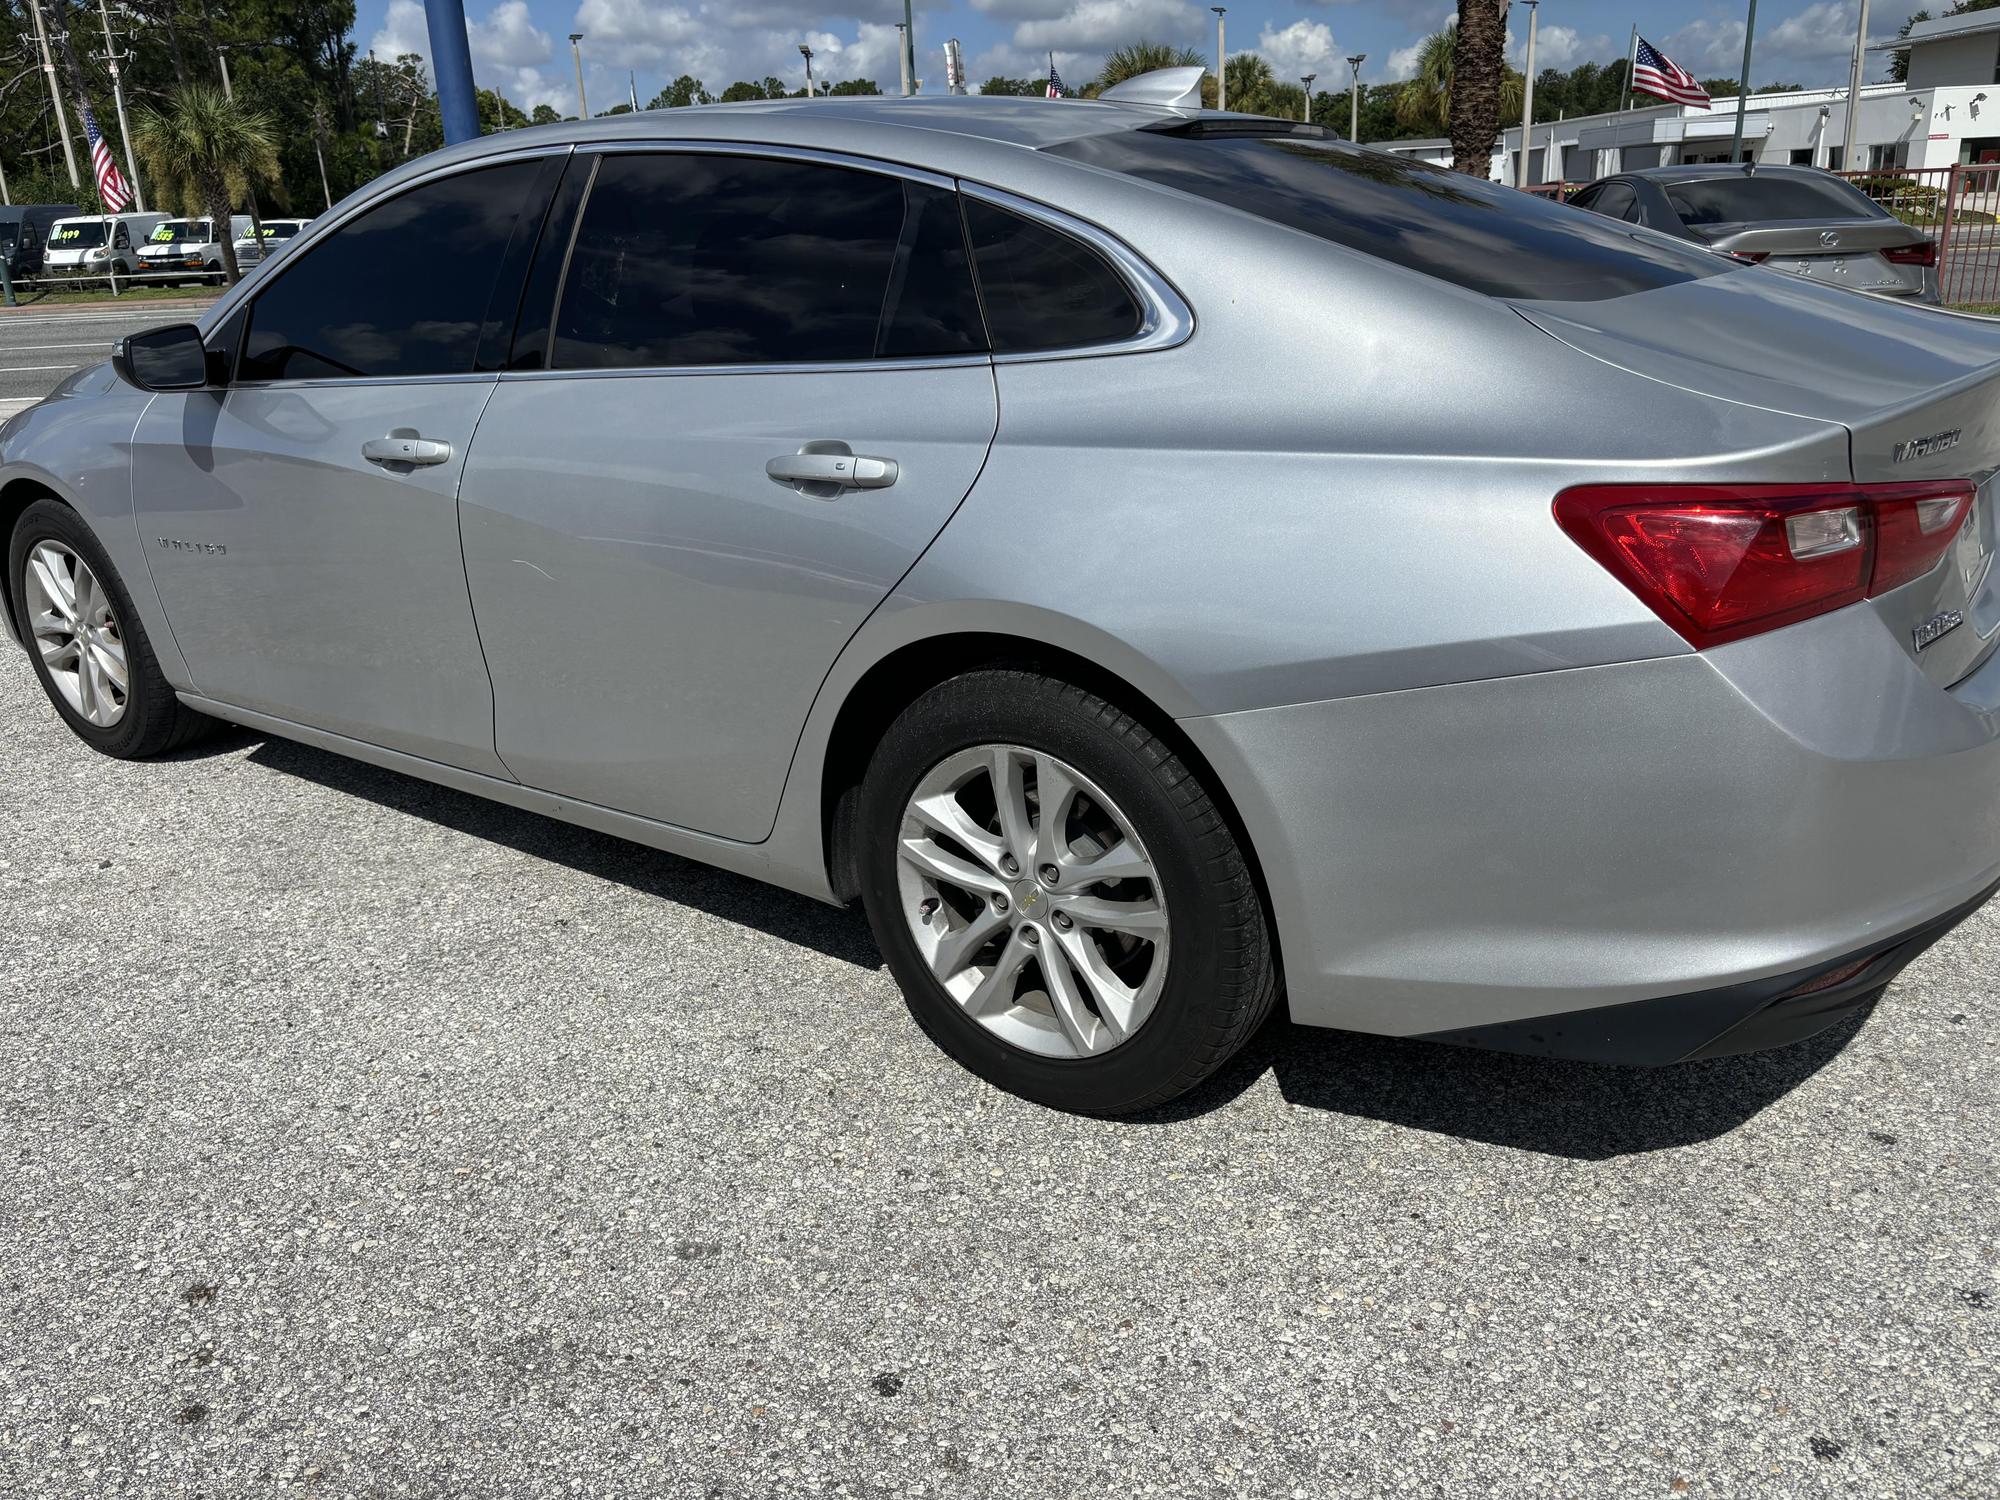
[1695, 836]
[1746, 1017]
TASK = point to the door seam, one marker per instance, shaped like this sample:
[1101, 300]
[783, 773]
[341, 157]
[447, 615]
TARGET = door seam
[465, 576]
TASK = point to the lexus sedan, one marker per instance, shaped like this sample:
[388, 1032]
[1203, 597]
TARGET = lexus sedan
[1155, 561]
[1799, 220]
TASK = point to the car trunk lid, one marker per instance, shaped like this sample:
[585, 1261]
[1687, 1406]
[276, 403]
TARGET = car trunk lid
[1844, 253]
[1917, 390]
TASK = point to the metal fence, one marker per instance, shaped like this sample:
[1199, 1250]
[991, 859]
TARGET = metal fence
[1959, 208]
[15, 289]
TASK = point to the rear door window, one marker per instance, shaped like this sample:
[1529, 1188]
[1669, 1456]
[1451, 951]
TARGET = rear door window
[1481, 235]
[697, 259]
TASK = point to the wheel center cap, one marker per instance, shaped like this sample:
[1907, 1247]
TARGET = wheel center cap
[1028, 899]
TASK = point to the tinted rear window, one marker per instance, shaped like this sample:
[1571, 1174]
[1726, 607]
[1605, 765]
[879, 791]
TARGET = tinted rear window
[1755, 200]
[1042, 288]
[1480, 235]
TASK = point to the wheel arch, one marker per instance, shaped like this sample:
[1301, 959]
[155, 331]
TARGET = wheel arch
[897, 678]
[16, 495]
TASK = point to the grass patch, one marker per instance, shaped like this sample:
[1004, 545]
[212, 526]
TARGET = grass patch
[1984, 309]
[38, 297]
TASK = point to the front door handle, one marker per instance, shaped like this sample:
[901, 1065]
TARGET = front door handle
[402, 447]
[823, 469]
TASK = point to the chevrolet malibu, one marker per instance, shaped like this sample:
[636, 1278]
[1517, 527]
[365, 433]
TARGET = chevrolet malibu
[1156, 561]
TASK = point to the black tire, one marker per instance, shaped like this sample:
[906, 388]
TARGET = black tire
[154, 721]
[1221, 978]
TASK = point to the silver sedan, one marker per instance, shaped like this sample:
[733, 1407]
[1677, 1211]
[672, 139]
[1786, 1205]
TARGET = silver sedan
[1155, 561]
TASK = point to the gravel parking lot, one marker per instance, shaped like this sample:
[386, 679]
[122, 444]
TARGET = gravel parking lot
[365, 1139]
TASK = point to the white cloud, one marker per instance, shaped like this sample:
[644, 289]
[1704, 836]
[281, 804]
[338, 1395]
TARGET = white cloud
[1302, 47]
[507, 38]
[1558, 47]
[1403, 62]
[1100, 24]
[1812, 46]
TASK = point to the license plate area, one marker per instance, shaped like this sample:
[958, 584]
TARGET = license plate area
[1864, 269]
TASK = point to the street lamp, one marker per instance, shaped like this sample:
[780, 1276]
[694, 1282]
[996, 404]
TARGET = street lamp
[1527, 96]
[1354, 98]
[576, 56]
[1221, 91]
[1308, 82]
[807, 53]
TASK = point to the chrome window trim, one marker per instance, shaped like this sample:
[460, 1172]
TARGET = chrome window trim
[978, 361]
[1166, 319]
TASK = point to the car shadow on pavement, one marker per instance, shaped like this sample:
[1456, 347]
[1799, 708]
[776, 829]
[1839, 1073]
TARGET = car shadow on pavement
[735, 898]
[1587, 1111]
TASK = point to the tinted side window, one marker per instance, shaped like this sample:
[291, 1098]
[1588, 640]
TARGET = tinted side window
[1484, 236]
[704, 259]
[1617, 201]
[1044, 289]
[402, 290]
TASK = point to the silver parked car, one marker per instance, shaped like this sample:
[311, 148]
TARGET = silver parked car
[1799, 220]
[1154, 560]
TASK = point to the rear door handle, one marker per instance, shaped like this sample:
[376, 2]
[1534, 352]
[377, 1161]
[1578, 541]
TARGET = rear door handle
[823, 469]
[400, 448]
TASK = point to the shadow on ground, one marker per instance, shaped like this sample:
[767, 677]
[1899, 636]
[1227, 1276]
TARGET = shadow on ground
[1586, 1111]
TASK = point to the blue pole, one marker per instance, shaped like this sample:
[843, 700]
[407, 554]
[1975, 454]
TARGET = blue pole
[451, 65]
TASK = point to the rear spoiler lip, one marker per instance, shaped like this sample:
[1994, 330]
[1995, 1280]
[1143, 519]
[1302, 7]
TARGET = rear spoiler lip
[1853, 234]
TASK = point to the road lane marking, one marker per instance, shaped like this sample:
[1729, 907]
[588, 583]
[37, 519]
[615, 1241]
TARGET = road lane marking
[7, 348]
[36, 369]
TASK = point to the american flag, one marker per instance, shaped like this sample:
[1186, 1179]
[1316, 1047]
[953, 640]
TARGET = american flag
[1659, 75]
[111, 185]
[1055, 79]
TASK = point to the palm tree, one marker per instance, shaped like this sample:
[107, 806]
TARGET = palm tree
[1479, 74]
[1424, 103]
[205, 152]
[1251, 84]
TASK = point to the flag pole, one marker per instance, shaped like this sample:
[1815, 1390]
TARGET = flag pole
[1743, 86]
[1631, 61]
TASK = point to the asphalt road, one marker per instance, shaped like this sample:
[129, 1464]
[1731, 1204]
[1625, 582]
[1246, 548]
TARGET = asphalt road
[40, 346]
[364, 1139]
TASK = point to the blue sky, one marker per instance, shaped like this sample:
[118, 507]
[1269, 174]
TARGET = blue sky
[521, 46]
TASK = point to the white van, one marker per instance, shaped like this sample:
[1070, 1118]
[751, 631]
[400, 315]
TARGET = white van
[276, 234]
[180, 245]
[97, 244]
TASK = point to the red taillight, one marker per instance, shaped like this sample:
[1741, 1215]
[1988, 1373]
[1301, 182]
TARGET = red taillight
[1719, 562]
[1912, 255]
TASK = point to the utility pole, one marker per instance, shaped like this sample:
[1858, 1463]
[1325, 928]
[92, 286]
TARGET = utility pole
[576, 56]
[909, 50]
[113, 56]
[633, 79]
[807, 53]
[1221, 89]
[1528, 97]
[1306, 83]
[55, 95]
[1631, 62]
[902, 59]
[1354, 99]
[1743, 88]
[319, 134]
[222, 57]
[1854, 91]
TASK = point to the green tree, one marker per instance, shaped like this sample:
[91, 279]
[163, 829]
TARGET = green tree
[855, 86]
[1423, 104]
[1017, 88]
[1479, 73]
[545, 114]
[205, 153]
[497, 113]
[739, 91]
[682, 92]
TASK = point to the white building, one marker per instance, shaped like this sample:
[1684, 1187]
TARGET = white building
[1948, 113]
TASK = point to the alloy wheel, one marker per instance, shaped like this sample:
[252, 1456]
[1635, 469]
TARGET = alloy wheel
[1033, 901]
[77, 633]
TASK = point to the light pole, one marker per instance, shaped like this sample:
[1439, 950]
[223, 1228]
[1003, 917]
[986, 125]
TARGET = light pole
[1354, 99]
[909, 50]
[902, 60]
[576, 56]
[1528, 96]
[222, 61]
[807, 53]
[1307, 82]
[1854, 91]
[113, 57]
[1743, 88]
[1221, 88]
